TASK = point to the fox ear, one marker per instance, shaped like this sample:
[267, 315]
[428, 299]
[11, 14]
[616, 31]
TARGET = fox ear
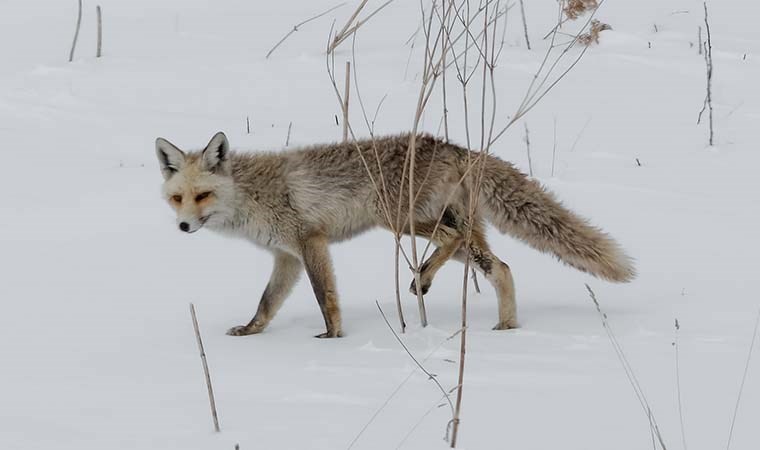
[216, 155]
[170, 157]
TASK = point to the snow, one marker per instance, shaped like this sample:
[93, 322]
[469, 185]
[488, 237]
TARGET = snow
[96, 343]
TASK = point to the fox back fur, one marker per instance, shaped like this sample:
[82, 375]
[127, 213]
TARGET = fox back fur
[295, 203]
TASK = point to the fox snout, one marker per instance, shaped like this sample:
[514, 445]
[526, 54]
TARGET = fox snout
[191, 224]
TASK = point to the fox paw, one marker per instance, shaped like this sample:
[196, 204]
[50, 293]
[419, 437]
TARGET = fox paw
[330, 334]
[244, 330]
[507, 325]
[413, 287]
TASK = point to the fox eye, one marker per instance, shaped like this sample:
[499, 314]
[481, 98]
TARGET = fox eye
[177, 198]
[202, 196]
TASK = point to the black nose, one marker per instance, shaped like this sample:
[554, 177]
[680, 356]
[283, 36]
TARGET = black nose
[184, 226]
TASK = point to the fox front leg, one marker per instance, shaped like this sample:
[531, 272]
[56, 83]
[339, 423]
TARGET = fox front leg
[316, 259]
[285, 274]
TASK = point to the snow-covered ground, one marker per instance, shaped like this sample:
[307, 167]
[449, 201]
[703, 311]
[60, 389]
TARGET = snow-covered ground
[97, 348]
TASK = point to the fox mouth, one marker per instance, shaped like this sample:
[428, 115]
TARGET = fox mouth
[202, 222]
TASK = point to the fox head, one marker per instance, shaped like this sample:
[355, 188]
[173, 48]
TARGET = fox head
[198, 185]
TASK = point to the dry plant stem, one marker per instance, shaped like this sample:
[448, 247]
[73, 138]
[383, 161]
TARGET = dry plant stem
[428, 81]
[536, 92]
[525, 23]
[401, 385]
[744, 379]
[346, 31]
[345, 101]
[287, 139]
[98, 52]
[678, 385]
[430, 376]
[211, 400]
[295, 27]
[554, 146]
[654, 428]
[527, 148]
[709, 64]
[383, 196]
[462, 350]
[578, 138]
[76, 32]
[248, 124]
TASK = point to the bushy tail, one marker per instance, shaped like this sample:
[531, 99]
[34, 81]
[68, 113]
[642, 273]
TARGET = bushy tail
[522, 208]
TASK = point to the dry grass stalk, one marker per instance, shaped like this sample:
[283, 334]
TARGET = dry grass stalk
[744, 380]
[345, 100]
[381, 189]
[348, 30]
[295, 27]
[98, 52]
[653, 426]
[525, 24]
[211, 400]
[678, 385]
[709, 65]
[76, 32]
[527, 149]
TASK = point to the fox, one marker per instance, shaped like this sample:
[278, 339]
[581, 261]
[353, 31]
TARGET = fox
[295, 203]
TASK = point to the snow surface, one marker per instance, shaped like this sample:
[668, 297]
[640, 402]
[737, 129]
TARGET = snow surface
[97, 349]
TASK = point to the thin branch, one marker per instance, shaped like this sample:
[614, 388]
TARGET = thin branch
[527, 149]
[346, 31]
[211, 400]
[554, 146]
[525, 24]
[430, 376]
[744, 379]
[632, 379]
[295, 27]
[397, 389]
[98, 52]
[345, 101]
[678, 385]
[76, 32]
[709, 64]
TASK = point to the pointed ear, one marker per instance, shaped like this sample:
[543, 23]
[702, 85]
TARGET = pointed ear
[216, 155]
[170, 157]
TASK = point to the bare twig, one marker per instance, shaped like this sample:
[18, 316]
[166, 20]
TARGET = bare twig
[100, 31]
[345, 101]
[76, 32]
[654, 428]
[400, 385]
[578, 138]
[345, 32]
[678, 385]
[295, 27]
[744, 379]
[248, 125]
[525, 24]
[554, 146]
[527, 149]
[287, 139]
[211, 400]
[430, 376]
[709, 64]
